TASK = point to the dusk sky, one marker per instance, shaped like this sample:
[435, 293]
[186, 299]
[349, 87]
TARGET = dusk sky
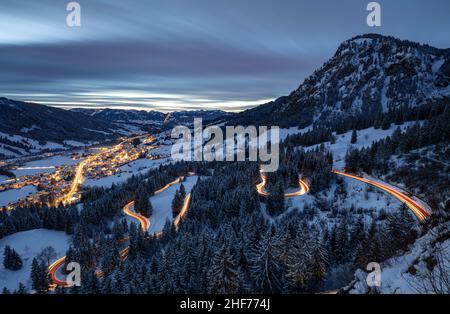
[187, 54]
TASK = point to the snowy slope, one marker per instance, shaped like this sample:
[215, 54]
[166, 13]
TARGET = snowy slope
[13, 195]
[365, 139]
[162, 204]
[28, 244]
[408, 273]
[47, 165]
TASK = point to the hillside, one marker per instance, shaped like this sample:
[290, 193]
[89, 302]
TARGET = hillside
[29, 127]
[369, 75]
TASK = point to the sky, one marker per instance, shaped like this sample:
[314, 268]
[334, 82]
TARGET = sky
[188, 54]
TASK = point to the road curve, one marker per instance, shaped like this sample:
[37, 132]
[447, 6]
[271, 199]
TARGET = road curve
[419, 210]
[303, 187]
[123, 254]
[143, 221]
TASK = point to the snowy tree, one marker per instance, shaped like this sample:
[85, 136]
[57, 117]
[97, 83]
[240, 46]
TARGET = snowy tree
[11, 260]
[47, 255]
[142, 203]
[299, 262]
[265, 266]
[39, 276]
[354, 137]
[223, 275]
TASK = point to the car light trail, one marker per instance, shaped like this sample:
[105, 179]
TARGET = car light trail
[123, 254]
[304, 187]
[420, 211]
[144, 222]
[168, 185]
[183, 211]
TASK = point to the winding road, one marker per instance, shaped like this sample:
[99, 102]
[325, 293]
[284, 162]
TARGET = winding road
[420, 210]
[303, 187]
[144, 223]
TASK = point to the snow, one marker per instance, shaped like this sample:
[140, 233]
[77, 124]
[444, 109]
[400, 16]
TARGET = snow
[362, 40]
[28, 244]
[365, 139]
[395, 277]
[34, 143]
[357, 197]
[47, 165]
[3, 178]
[13, 195]
[75, 143]
[437, 65]
[162, 204]
[9, 153]
[32, 128]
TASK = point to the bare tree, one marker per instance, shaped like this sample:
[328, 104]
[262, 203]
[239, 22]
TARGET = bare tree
[435, 278]
[47, 255]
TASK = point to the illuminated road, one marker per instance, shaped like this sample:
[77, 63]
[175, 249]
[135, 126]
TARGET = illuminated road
[52, 271]
[303, 187]
[78, 178]
[183, 211]
[419, 210]
[128, 209]
[123, 254]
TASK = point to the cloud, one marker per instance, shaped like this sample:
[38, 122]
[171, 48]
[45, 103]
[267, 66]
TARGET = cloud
[220, 54]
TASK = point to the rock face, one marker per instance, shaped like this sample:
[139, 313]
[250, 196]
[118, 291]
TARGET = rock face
[368, 74]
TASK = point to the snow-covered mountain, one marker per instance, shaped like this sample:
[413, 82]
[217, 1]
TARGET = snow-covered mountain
[369, 74]
[155, 119]
[28, 128]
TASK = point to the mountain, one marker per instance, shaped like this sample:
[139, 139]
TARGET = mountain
[368, 75]
[155, 119]
[29, 127]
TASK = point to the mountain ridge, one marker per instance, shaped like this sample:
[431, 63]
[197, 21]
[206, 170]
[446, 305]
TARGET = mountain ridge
[368, 75]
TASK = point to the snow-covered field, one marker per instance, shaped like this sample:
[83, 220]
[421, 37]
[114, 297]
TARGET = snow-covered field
[365, 138]
[14, 195]
[28, 244]
[162, 204]
[139, 166]
[47, 165]
[35, 144]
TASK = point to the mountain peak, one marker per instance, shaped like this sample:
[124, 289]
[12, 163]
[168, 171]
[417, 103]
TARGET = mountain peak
[369, 74]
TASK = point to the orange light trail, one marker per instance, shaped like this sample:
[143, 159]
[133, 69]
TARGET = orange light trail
[144, 222]
[168, 185]
[420, 211]
[304, 187]
[123, 254]
[183, 211]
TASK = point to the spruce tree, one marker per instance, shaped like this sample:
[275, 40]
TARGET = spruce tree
[39, 276]
[223, 275]
[264, 264]
[354, 137]
[11, 260]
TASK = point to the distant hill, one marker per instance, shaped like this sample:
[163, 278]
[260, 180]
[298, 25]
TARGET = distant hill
[29, 127]
[155, 119]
